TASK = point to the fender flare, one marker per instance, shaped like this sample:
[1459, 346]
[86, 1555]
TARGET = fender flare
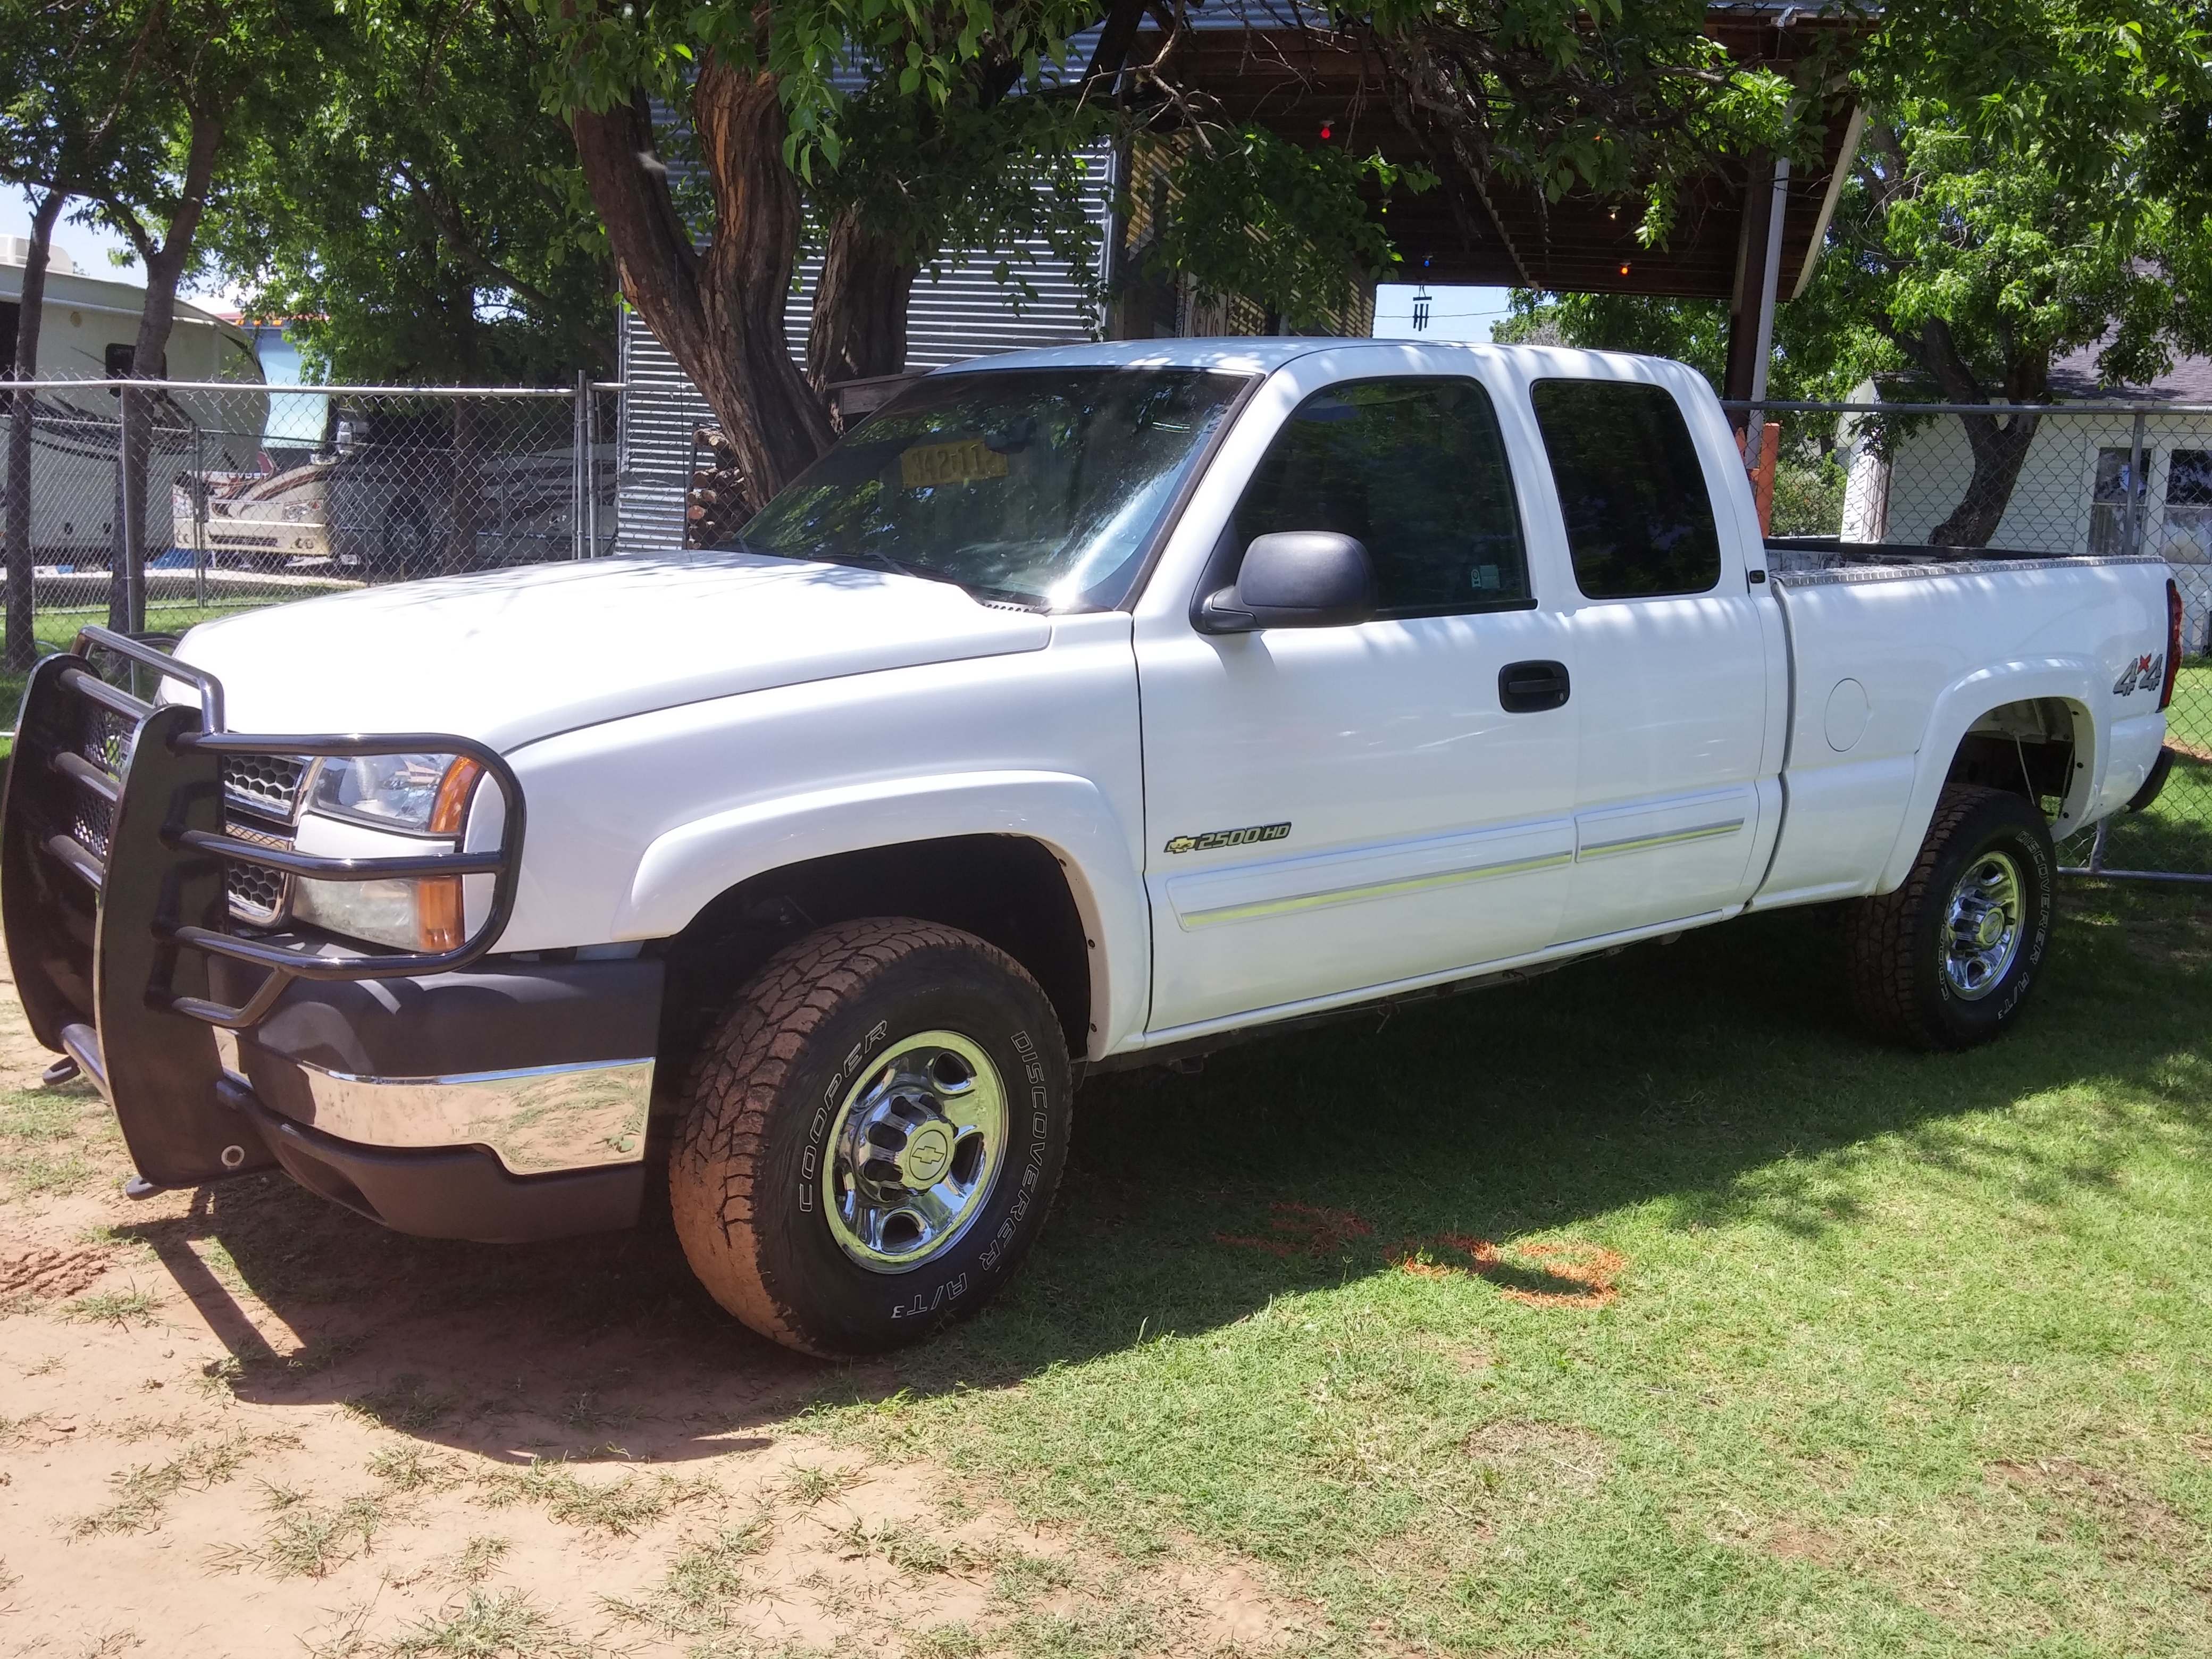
[2074, 681]
[686, 867]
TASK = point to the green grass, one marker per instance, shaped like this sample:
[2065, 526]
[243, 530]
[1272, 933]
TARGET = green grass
[142, 1491]
[1902, 1354]
[2176, 832]
[50, 1138]
[121, 1308]
[487, 1627]
[617, 1508]
[699, 1593]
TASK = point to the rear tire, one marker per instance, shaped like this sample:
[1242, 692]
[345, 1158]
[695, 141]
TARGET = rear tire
[871, 1142]
[1947, 960]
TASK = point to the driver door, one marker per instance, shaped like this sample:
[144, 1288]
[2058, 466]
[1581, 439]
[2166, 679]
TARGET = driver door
[1334, 809]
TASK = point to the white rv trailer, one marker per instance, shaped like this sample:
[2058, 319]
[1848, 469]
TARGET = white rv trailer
[87, 332]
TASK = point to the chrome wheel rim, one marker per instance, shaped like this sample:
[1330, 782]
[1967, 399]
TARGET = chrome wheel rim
[1982, 926]
[917, 1144]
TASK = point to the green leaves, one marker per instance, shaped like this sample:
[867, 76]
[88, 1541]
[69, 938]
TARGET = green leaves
[1256, 215]
[420, 217]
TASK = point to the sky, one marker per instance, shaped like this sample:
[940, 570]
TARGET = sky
[87, 245]
[1453, 314]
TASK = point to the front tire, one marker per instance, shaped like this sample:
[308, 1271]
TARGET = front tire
[1947, 960]
[871, 1142]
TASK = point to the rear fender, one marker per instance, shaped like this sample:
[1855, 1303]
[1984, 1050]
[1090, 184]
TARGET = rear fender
[2070, 680]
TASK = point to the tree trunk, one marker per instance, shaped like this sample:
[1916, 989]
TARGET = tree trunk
[859, 326]
[720, 313]
[21, 648]
[2000, 446]
[164, 267]
[2000, 443]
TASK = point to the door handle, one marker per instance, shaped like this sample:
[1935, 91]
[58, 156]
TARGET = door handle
[1530, 688]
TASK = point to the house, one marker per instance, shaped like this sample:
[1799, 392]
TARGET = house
[2073, 494]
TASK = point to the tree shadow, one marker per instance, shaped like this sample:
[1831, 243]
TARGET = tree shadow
[1720, 1079]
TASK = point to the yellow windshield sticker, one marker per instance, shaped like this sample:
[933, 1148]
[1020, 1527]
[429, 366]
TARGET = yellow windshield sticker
[963, 462]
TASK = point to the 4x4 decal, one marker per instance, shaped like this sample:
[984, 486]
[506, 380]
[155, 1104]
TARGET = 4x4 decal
[2144, 673]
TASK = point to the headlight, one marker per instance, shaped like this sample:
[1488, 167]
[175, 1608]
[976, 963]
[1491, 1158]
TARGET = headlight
[416, 795]
[394, 792]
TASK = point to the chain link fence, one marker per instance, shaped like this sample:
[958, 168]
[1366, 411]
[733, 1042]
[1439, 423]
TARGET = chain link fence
[2108, 478]
[248, 495]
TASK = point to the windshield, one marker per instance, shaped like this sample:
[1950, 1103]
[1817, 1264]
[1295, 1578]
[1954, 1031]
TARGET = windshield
[1039, 485]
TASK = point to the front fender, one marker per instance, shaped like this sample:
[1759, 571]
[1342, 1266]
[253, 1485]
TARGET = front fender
[2081, 683]
[686, 867]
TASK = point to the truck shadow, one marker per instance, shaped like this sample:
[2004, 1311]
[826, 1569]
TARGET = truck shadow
[1720, 1077]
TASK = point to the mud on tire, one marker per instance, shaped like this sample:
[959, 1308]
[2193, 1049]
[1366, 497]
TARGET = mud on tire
[873, 1043]
[1947, 960]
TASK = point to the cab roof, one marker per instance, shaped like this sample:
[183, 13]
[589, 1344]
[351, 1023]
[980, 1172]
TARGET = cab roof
[1251, 354]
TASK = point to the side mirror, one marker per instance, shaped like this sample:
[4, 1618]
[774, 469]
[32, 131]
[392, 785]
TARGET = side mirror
[1295, 578]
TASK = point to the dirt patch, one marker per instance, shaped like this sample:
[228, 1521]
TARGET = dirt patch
[243, 1421]
[2130, 1524]
[50, 1271]
[1303, 1230]
[1567, 1274]
[1538, 1460]
[1797, 1541]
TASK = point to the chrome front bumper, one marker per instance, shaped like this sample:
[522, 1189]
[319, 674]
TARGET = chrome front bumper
[438, 1091]
[534, 1120]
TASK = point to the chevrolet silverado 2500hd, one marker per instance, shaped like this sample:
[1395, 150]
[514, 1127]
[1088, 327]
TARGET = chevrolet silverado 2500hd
[1082, 707]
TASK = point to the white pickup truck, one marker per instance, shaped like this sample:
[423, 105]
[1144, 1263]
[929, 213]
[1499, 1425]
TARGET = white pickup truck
[1081, 709]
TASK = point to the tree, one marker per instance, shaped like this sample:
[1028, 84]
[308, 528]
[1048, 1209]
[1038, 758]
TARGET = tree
[2017, 196]
[423, 220]
[915, 179]
[1624, 101]
[70, 117]
[932, 143]
[216, 76]
[1976, 270]
[1549, 92]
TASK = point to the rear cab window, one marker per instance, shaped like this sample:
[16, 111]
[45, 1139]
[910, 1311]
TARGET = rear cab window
[1413, 468]
[1632, 489]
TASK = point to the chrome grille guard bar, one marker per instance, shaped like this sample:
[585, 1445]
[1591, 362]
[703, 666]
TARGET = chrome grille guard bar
[114, 865]
[174, 751]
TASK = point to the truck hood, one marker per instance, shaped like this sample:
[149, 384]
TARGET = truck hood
[507, 656]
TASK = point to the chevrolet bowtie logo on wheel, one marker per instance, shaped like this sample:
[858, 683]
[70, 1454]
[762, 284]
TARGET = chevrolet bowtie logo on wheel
[1213, 838]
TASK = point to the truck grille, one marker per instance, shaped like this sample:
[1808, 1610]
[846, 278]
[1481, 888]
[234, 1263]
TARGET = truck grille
[266, 784]
[258, 897]
[107, 744]
[260, 794]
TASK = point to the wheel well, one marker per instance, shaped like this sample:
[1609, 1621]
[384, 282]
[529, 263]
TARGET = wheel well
[2025, 748]
[1006, 889]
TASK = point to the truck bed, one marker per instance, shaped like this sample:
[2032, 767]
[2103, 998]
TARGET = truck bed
[1808, 560]
[1896, 651]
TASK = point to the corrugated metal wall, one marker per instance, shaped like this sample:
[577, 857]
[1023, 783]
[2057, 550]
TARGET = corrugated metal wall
[964, 313]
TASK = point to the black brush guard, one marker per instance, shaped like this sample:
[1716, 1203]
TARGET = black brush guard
[115, 906]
